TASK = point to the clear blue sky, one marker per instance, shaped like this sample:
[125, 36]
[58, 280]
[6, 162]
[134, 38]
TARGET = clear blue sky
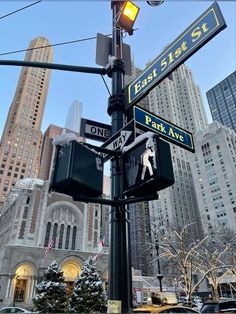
[63, 21]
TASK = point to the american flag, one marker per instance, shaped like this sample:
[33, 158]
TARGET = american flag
[51, 244]
[100, 248]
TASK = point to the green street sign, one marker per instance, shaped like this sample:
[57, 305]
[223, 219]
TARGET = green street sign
[167, 130]
[210, 23]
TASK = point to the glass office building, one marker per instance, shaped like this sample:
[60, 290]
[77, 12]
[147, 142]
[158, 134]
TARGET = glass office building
[222, 101]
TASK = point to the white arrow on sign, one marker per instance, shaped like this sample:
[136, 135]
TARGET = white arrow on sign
[120, 141]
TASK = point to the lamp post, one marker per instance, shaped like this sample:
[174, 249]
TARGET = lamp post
[159, 275]
[119, 261]
[124, 14]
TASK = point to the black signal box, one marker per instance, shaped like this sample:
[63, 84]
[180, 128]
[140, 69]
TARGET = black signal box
[78, 171]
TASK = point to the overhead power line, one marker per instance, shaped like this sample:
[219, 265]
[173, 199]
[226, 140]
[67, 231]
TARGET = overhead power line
[11, 13]
[52, 45]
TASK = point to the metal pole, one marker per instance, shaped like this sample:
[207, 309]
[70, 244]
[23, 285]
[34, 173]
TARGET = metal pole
[54, 66]
[119, 264]
[159, 275]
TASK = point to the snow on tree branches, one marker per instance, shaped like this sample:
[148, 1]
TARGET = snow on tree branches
[51, 295]
[88, 294]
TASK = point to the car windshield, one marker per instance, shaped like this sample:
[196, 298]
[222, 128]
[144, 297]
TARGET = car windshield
[209, 308]
[228, 305]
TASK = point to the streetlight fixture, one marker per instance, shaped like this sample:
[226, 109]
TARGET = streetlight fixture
[127, 16]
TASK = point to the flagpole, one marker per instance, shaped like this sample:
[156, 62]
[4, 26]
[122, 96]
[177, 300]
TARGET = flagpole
[51, 243]
[100, 248]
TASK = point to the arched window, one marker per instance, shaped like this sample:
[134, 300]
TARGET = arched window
[67, 237]
[54, 234]
[61, 237]
[25, 214]
[73, 238]
[47, 234]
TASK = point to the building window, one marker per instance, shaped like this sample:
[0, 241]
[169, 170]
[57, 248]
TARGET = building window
[73, 238]
[47, 234]
[54, 234]
[61, 237]
[67, 237]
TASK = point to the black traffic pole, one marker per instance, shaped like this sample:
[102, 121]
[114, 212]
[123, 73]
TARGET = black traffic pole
[159, 275]
[119, 264]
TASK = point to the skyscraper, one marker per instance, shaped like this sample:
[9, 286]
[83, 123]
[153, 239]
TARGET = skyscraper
[139, 215]
[21, 140]
[222, 101]
[73, 118]
[215, 172]
[178, 100]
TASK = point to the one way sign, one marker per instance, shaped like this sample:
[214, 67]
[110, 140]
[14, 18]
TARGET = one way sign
[120, 139]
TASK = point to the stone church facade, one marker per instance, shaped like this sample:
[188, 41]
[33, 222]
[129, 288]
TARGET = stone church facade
[30, 219]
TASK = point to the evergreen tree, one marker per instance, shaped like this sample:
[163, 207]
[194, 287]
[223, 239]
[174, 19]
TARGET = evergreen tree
[88, 294]
[51, 295]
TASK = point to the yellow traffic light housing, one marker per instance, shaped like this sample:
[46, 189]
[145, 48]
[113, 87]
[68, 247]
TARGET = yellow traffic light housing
[128, 16]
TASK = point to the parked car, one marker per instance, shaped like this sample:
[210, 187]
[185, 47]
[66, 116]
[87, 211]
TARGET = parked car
[221, 306]
[195, 302]
[13, 309]
[164, 309]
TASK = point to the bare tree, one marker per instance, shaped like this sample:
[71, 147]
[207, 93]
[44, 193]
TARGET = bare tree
[179, 248]
[209, 258]
[214, 259]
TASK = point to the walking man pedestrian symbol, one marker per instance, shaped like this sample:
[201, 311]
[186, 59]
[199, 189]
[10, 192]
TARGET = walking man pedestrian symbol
[145, 158]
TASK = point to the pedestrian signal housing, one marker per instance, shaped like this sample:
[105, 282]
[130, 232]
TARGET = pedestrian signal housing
[78, 171]
[147, 167]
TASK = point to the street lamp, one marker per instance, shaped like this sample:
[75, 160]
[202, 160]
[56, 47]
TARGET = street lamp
[120, 276]
[127, 16]
[159, 275]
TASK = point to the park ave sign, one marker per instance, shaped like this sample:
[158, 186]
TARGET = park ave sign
[167, 130]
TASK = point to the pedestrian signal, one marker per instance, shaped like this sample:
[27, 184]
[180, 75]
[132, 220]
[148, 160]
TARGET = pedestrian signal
[78, 171]
[147, 167]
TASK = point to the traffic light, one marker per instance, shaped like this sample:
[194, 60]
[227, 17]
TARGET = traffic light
[128, 16]
[147, 167]
[78, 171]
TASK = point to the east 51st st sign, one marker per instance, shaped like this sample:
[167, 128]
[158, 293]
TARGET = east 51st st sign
[210, 23]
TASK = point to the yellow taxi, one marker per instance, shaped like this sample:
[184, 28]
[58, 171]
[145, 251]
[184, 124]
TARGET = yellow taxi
[164, 309]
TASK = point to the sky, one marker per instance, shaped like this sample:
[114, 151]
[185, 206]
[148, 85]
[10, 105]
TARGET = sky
[62, 21]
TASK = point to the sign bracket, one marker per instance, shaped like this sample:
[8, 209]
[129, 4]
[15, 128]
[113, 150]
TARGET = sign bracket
[100, 149]
[117, 202]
